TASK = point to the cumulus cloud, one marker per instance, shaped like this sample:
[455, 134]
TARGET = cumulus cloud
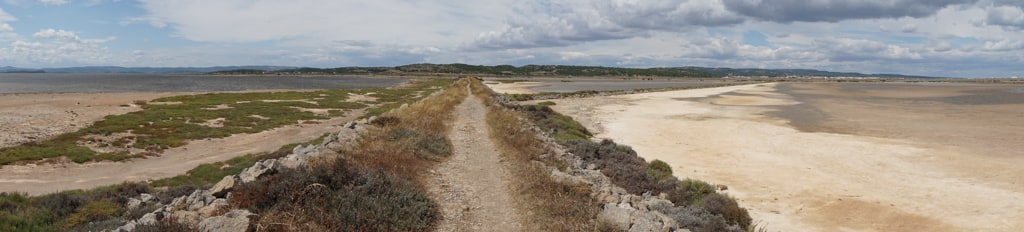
[1007, 16]
[836, 10]
[54, 2]
[843, 49]
[53, 46]
[395, 21]
[573, 22]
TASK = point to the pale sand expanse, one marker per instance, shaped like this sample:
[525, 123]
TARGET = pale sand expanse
[813, 181]
[34, 117]
[515, 87]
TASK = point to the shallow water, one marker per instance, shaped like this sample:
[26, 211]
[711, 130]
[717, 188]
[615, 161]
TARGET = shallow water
[108, 83]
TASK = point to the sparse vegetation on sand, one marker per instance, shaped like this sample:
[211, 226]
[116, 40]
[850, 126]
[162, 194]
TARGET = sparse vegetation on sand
[173, 121]
[697, 205]
[377, 183]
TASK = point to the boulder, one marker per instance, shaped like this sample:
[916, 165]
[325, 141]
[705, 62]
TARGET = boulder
[258, 170]
[236, 220]
[145, 198]
[198, 199]
[224, 186]
[185, 217]
[127, 227]
[148, 219]
[643, 221]
[133, 204]
[616, 216]
[213, 208]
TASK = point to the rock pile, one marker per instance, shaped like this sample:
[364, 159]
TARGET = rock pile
[627, 212]
[209, 208]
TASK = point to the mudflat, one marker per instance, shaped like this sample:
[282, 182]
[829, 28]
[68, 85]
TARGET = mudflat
[37, 116]
[839, 156]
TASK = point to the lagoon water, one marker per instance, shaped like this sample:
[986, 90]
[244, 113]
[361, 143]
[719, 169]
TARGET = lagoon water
[110, 83]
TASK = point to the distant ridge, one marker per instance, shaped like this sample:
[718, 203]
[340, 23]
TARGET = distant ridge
[143, 70]
[499, 70]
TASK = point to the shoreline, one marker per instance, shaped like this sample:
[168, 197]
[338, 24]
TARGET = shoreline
[796, 180]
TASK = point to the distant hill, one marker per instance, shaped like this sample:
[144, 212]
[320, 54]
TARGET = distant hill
[498, 70]
[724, 72]
[9, 69]
[508, 70]
[567, 70]
[146, 70]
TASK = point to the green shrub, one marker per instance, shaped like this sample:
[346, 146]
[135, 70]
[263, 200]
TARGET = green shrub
[546, 103]
[690, 192]
[559, 126]
[93, 211]
[659, 170]
[725, 206]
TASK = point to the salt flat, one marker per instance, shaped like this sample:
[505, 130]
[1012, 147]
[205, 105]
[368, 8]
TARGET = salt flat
[874, 158]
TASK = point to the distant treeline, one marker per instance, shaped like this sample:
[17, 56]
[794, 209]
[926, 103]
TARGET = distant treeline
[499, 70]
[559, 70]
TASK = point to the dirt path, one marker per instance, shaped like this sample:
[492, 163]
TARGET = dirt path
[471, 186]
[49, 178]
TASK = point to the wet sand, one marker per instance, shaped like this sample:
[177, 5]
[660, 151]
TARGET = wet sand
[836, 157]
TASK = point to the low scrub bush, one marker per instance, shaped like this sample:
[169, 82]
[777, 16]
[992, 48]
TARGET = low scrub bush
[715, 209]
[621, 164]
[659, 170]
[559, 126]
[337, 196]
[93, 212]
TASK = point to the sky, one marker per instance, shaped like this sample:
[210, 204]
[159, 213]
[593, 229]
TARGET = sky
[958, 38]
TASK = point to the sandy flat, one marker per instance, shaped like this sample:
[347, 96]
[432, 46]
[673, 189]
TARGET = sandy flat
[35, 117]
[793, 180]
[514, 87]
[49, 178]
